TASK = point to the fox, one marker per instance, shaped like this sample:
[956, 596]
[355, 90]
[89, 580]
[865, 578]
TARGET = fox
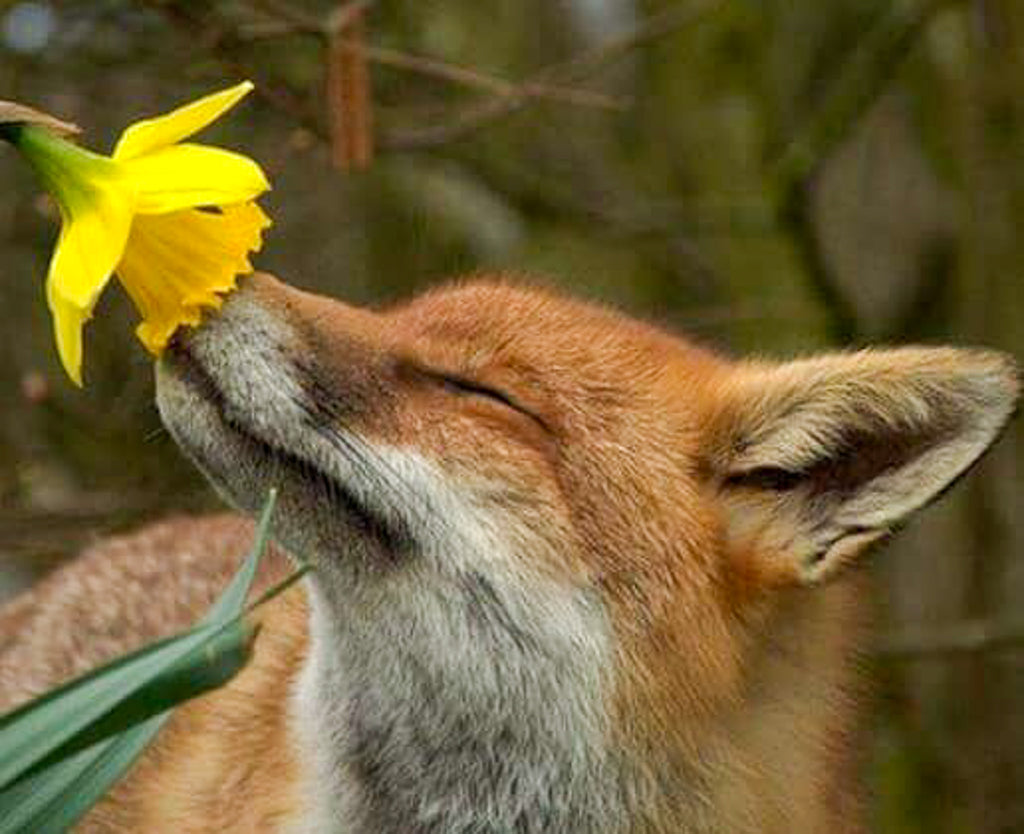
[569, 573]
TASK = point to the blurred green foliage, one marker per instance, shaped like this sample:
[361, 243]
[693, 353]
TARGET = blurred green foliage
[683, 204]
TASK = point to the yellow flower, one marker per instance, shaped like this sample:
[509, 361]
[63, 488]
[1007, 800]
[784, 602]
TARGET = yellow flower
[176, 221]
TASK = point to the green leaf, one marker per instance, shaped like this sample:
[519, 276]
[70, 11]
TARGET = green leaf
[55, 794]
[232, 601]
[211, 664]
[32, 733]
[64, 750]
[53, 799]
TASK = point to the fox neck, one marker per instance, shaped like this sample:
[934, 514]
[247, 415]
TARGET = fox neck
[443, 718]
[445, 714]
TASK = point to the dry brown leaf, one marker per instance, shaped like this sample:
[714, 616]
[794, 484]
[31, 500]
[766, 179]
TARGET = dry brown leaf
[13, 113]
[349, 104]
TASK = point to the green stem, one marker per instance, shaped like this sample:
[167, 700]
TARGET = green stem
[41, 145]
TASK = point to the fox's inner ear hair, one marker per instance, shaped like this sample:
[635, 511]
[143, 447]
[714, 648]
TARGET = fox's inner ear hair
[816, 459]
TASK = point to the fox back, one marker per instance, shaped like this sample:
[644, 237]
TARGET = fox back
[569, 573]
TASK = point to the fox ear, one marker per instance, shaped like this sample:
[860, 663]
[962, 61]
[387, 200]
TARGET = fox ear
[818, 458]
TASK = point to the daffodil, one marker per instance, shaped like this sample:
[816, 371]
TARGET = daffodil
[175, 221]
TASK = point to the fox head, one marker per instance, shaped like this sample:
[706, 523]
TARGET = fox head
[583, 562]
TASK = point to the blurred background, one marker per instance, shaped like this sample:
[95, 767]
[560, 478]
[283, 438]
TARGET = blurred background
[769, 176]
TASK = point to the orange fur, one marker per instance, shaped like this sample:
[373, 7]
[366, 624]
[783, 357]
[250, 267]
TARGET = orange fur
[709, 506]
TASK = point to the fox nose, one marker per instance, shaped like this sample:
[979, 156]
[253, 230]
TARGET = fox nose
[258, 297]
[301, 320]
[270, 342]
[263, 289]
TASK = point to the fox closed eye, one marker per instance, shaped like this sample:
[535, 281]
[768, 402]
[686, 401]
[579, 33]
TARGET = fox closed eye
[767, 478]
[463, 386]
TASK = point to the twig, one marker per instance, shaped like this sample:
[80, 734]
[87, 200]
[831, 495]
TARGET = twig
[550, 83]
[654, 28]
[966, 637]
[289, 22]
[458, 74]
[292, 19]
[575, 69]
[188, 17]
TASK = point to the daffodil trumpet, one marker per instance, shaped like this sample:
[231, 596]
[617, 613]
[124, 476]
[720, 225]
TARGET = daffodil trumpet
[175, 221]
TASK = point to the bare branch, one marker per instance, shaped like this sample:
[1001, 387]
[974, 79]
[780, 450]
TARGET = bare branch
[458, 74]
[653, 28]
[289, 22]
[575, 69]
[189, 18]
[346, 16]
[291, 19]
[552, 82]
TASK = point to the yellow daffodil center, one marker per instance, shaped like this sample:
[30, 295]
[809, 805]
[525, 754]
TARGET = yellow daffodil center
[179, 264]
[175, 221]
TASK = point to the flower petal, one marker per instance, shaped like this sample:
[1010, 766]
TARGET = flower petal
[162, 131]
[187, 176]
[176, 265]
[95, 204]
[68, 321]
[93, 233]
